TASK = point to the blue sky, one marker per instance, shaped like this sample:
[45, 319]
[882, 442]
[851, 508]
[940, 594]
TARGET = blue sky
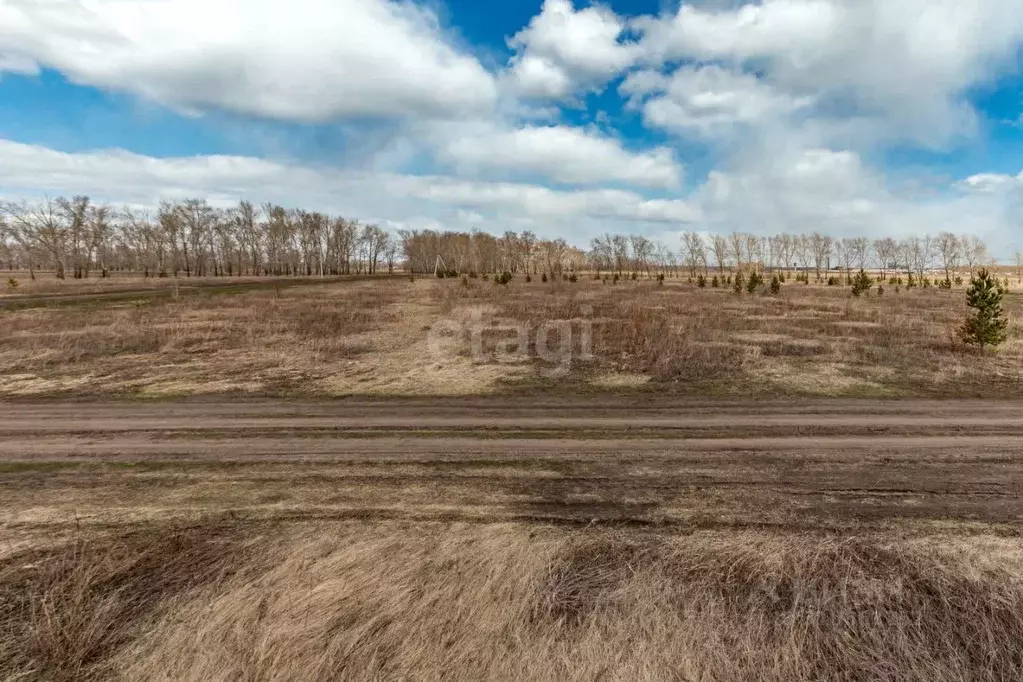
[567, 118]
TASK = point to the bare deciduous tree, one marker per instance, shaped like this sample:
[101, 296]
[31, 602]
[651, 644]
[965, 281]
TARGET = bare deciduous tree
[43, 224]
[860, 248]
[918, 254]
[602, 253]
[736, 244]
[820, 245]
[78, 237]
[950, 251]
[844, 254]
[620, 251]
[753, 251]
[975, 253]
[802, 250]
[886, 254]
[642, 252]
[694, 252]
[720, 246]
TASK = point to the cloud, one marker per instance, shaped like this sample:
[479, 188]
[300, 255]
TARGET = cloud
[811, 190]
[302, 60]
[834, 192]
[563, 154]
[771, 28]
[708, 100]
[563, 51]
[121, 177]
[906, 64]
[19, 65]
[994, 183]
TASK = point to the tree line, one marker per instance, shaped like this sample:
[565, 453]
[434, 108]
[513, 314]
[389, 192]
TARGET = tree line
[820, 253]
[79, 238]
[428, 251]
[76, 237]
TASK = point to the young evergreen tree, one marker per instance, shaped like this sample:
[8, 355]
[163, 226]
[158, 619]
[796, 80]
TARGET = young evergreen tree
[986, 325]
[862, 283]
[754, 282]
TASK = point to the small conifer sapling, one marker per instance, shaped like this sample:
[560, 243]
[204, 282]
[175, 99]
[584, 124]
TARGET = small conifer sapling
[986, 324]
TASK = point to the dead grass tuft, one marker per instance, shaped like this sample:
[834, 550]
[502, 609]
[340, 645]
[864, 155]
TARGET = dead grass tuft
[794, 609]
[65, 611]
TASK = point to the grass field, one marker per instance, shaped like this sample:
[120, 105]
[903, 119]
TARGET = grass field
[306, 482]
[372, 337]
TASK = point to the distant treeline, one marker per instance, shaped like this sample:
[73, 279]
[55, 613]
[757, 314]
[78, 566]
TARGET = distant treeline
[78, 238]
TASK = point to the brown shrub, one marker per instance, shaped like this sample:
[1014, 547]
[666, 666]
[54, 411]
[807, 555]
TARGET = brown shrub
[667, 346]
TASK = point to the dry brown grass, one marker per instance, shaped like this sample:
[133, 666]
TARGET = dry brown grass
[808, 340]
[504, 602]
[253, 341]
[371, 337]
[65, 611]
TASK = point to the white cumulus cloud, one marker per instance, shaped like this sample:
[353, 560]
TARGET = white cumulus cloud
[305, 60]
[561, 153]
[905, 64]
[564, 50]
[707, 99]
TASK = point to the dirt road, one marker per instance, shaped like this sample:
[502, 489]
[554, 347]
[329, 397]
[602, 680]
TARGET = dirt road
[837, 465]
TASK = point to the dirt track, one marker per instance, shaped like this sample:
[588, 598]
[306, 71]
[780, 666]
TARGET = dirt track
[840, 465]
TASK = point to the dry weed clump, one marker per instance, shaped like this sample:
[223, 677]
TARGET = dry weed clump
[65, 611]
[668, 344]
[350, 601]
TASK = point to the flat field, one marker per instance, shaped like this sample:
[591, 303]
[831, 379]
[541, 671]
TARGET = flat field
[295, 483]
[388, 336]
